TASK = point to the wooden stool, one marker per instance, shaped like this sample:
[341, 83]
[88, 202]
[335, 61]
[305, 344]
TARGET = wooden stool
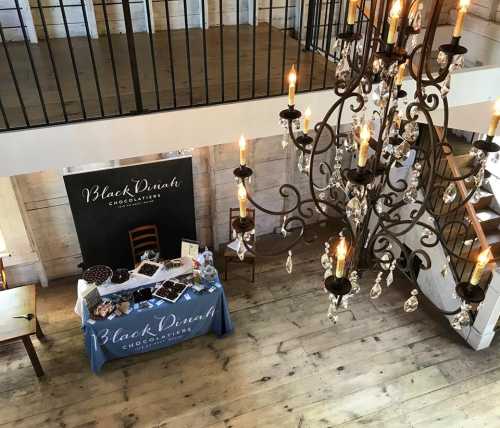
[230, 256]
[18, 320]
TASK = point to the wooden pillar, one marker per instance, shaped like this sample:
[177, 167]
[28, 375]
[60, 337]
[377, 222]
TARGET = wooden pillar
[90, 11]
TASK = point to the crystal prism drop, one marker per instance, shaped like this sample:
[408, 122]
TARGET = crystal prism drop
[328, 273]
[379, 206]
[390, 279]
[241, 250]
[289, 263]
[450, 193]
[462, 319]
[284, 140]
[442, 59]
[353, 278]
[376, 290]
[411, 304]
[325, 261]
[402, 150]
[284, 232]
[385, 258]
[445, 88]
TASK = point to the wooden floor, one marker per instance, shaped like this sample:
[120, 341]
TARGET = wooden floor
[170, 70]
[285, 366]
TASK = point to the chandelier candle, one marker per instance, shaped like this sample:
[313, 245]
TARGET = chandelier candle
[482, 261]
[393, 23]
[292, 79]
[462, 10]
[351, 15]
[307, 120]
[401, 72]
[242, 197]
[364, 143]
[494, 119]
[243, 150]
[341, 254]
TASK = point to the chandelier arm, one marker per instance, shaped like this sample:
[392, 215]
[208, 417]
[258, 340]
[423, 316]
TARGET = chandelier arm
[283, 192]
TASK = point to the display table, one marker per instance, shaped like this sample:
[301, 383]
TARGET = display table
[162, 325]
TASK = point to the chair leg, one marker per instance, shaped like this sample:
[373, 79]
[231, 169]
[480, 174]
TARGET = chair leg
[225, 268]
[39, 332]
[253, 271]
[33, 357]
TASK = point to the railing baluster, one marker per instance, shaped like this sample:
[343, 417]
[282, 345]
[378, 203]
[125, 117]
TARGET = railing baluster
[254, 5]
[14, 78]
[328, 40]
[170, 53]
[32, 64]
[285, 33]
[204, 40]
[221, 35]
[301, 23]
[52, 62]
[238, 49]
[269, 43]
[188, 54]
[72, 56]
[92, 59]
[112, 56]
[152, 49]
[315, 44]
[4, 116]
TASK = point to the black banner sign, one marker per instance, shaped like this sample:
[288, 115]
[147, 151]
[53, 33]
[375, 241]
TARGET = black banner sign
[106, 204]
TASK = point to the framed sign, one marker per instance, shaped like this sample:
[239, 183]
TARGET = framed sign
[190, 249]
[106, 204]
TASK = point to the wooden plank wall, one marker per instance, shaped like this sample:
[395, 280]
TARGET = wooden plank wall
[50, 223]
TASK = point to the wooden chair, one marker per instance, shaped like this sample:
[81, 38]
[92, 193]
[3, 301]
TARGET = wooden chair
[230, 255]
[143, 238]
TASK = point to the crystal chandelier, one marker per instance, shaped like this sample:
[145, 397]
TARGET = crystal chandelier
[360, 184]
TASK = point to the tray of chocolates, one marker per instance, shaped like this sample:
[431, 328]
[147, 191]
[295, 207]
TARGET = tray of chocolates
[170, 290]
[98, 274]
[147, 269]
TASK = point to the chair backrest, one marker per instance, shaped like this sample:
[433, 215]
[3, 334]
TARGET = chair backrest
[235, 213]
[143, 238]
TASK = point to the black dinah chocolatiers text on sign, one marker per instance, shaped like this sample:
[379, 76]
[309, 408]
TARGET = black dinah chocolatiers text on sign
[106, 204]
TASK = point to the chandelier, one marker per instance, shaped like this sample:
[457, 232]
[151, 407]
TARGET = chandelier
[358, 184]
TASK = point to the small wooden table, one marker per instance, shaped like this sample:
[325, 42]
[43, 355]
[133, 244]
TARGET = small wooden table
[18, 302]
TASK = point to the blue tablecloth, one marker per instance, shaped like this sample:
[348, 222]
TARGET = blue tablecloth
[162, 325]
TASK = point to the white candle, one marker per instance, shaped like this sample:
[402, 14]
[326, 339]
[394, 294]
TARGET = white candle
[351, 15]
[494, 119]
[242, 197]
[393, 21]
[341, 255]
[462, 10]
[307, 120]
[292, 79]
[482, 261]
[364, 143]
[243, 149]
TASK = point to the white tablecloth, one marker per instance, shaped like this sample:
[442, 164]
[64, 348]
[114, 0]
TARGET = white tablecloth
[133, 282]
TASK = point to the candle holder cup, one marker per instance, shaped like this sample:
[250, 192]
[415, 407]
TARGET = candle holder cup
[453, 48]
[338, 286]
[242, 225]
[349, 35]
[304, 140]
[361, 176]
[487, 145]
[290, 113]
[470, 293]
[243, 172]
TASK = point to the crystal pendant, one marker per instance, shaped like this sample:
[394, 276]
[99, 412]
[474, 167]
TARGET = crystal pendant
[326, 261]
[450, 193]
[328, 273]
[445, 88]
[462, 319]
[379, 206]
[343, 67]
[284, 140]
[349, 144]
[411, 304]
[353, 278]
[479, 177]
[411, 132]
[375, 291]
[284, 232]
[385, 258]
[303, 163]
[241, 249]
[458, 62]
[442, 59]
[289, 262]
[377, 65]
[410, 196]
[390, 277]
[402, 150]
[356, 209]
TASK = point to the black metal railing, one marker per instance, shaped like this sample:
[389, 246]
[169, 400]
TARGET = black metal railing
[68, 62]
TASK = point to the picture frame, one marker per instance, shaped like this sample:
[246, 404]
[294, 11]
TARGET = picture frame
[190, 249]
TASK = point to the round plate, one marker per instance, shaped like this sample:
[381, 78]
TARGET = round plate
[98, 274]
